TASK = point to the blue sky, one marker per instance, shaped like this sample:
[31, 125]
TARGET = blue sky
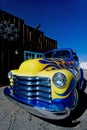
[62, 20]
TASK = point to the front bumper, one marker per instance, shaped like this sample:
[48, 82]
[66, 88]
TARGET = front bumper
[38, 111]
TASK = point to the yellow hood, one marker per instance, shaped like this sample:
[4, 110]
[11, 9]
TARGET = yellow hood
[34, 66]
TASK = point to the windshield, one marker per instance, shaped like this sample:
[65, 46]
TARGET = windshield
[58, 54]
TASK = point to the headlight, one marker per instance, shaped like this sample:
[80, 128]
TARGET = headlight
[9, 75]
[59, 80]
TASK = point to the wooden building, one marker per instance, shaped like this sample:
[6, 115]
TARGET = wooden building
[15, 37]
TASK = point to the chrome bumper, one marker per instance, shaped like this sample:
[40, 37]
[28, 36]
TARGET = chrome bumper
[40, 112]
[43, 113]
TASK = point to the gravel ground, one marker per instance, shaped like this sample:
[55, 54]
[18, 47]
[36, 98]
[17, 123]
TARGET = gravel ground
[14, 118]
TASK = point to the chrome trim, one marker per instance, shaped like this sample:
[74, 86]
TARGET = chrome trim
[37, 88]
[32, 88]
[75, 100]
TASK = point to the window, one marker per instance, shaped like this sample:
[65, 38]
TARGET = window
[58, 54]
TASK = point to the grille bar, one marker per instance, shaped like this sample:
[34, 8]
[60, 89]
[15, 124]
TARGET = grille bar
[34, 98]
[32, 93]
[34, 88]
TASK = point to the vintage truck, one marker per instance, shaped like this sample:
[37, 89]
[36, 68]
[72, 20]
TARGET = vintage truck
[47, 87]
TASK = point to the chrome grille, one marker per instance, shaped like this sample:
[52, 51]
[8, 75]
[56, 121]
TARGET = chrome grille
[30, 88]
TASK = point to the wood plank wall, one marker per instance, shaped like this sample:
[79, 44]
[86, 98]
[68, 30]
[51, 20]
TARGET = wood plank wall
[11, 52]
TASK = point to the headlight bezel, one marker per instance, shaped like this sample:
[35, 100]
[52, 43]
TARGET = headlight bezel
[59, 80]
[10, 75]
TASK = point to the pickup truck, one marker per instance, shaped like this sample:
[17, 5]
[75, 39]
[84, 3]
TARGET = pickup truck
[47, 87]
